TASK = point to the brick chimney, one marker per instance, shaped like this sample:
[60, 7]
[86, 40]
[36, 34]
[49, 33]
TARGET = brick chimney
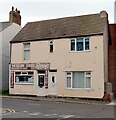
[14, 16]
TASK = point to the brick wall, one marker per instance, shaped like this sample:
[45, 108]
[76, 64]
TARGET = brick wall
[112, 57]
[14, 16]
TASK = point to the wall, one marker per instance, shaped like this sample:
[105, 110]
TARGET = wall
[0, 61]
[7, 35]
[112, 58]
[63, 60]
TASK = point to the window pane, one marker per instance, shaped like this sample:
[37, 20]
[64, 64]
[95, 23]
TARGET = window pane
[73, 45]
[30, 79]
[78, 80]
[21, 78]
[26, 45]
[30, 73]
[88, 82]
[88, 74]
[69, 74]
[51, 48]
[26, 54]
[17, 73]
[79, 43]
[16, 79]
[68, 82]
[24, 73]
[86, 43]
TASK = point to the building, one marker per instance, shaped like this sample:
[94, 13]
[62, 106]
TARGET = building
[7, 31]
[66, 57]
[112, 57]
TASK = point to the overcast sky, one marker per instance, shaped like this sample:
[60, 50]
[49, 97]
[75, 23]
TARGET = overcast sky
[35, 10]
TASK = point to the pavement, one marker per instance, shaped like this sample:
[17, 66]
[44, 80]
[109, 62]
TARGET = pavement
[61, 99]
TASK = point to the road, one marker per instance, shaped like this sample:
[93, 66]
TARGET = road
[18, 108]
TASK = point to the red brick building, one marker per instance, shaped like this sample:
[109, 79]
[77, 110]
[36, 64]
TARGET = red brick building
[112, 57]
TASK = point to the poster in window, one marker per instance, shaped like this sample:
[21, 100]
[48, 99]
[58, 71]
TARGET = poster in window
[12, 80]
[46, 79]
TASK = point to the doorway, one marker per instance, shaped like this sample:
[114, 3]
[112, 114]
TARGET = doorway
[52, 83]
[41, 86]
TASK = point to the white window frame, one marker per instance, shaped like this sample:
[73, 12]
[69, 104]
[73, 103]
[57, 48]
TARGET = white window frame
[21, 74]
[67, 77]
[26, 49]
[85, 76]
[76, 45]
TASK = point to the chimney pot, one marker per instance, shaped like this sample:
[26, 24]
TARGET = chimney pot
[16, 9]
[12, 8]
[19, 11]
[14, 16]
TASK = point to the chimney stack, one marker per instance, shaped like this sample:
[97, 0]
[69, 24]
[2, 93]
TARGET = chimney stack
[14, 16]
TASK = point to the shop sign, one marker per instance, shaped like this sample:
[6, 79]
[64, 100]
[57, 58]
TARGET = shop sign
[12, 80]
[30, 66]
[46, 79]
[44, 66]
[23, 66]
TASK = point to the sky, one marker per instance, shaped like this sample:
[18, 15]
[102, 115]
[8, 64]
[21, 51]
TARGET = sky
[36, 10]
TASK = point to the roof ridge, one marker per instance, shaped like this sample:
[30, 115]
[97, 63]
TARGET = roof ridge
[64, 17]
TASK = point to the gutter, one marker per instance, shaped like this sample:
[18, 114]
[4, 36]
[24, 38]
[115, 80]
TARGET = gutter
[59, 37]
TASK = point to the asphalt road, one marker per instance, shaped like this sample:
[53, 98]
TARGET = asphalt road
[19, 108]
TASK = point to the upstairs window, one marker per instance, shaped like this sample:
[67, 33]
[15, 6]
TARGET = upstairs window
[51, 46]
[73, 45]
[80, 44]
[26, 51]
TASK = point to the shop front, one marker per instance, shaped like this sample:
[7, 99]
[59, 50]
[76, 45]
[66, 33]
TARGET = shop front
[29, 78]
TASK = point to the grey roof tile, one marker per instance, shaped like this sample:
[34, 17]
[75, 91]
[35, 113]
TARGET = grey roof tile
[61, 27]
[4, 25]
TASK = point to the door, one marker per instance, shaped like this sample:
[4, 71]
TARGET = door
[41, 86]
[52, 84]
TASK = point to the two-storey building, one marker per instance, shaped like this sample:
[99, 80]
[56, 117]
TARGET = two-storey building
[65, 57]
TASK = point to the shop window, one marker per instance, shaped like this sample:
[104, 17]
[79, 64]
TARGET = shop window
[26, 51]
[24, 77]
[78, 79]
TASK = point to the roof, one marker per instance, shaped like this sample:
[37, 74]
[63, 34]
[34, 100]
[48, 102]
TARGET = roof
[62, 27]
[4, 25]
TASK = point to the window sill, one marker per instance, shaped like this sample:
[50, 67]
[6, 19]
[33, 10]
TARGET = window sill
[24, 84]
[79, 51]
[78, 89]
[26, 61]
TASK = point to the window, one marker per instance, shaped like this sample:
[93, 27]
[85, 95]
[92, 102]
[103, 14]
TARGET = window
[86, 43]
[80, 44]
[69, 80]
[51, 46]
[24, 77]
[78, 79]
[73, 45]
[41, 79]
[26, 51]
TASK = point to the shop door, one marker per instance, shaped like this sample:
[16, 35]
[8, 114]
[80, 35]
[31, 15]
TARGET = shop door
[41, 86]
[52, 84]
